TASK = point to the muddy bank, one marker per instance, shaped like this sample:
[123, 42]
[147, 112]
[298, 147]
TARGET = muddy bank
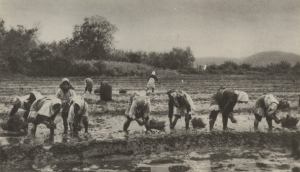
[78, 151]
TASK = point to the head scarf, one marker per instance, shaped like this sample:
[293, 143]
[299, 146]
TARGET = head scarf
[79, 101]
[54, 101]
[153, 73]
[242, 96]
[66, 80]
[37, 95]
[134, 94]
[34, 96]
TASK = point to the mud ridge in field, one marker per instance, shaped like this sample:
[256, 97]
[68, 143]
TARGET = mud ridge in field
[192, 141]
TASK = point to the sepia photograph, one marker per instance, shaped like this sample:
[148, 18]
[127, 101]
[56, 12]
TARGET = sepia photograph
[149, 85]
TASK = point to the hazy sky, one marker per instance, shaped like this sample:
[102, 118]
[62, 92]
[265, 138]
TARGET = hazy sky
[227, 28]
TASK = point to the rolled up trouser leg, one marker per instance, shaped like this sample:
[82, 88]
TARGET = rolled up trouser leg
[33, 130]
[146, 122]
[269, 121]
[256, 122]
[211, 123]
[40, 119]
[126, 124]
[187, 121]
[212, 119]
[230, 116]
[51, 130]
[25, 124]
[225, 120]
[86, 124]
[175, 121]
[170, 120]
[75, 128]
[64, 116]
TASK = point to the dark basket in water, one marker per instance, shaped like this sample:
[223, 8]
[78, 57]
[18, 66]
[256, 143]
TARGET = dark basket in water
[158, 125]
[105, 91]
[289, 121]
[198, 123]
[122, 91]
[15, 123]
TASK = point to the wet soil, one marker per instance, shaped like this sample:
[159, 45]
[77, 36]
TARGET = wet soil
[108, 148]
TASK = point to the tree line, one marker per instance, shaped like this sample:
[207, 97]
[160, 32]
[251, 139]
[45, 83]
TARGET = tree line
[229, 67]
[91, 44]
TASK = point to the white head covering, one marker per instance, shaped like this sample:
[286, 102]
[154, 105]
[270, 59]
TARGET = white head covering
[79, 100]
[269, 99]
[54, 101]
[242, 96]
[37, 95]
[153, 73]
[65, 79]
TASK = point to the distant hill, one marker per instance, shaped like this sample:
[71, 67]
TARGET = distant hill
[217, 60]
[266, 58]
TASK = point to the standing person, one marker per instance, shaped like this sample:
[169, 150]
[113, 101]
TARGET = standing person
[266, 106]
[139, 107]
[151, 81]
[225, 100]
[88, 85]
[180, 104]
[78, 114]
[44, 111]
[65, 94]
[24, 103]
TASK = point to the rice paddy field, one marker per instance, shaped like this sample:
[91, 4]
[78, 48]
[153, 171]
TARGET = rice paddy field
[107, 148]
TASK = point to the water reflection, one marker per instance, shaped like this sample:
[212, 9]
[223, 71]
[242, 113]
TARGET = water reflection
[10, 140]
[243, 160]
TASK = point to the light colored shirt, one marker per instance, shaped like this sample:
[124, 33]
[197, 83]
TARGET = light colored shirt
[65, 98]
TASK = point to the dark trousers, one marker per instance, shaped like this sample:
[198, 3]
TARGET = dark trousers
[41, 119]
[76, 123]
[227, 109]
[87, 89]
[64, 116]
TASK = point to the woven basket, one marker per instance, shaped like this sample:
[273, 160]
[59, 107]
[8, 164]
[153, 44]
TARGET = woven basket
[289, 121]
[198, 123]
[105, 91]
[158, 125]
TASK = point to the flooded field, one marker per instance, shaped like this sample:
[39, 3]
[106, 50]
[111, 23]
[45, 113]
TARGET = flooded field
[108, 148]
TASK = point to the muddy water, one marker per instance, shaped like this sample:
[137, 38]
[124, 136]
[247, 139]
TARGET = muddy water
[226, 160]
